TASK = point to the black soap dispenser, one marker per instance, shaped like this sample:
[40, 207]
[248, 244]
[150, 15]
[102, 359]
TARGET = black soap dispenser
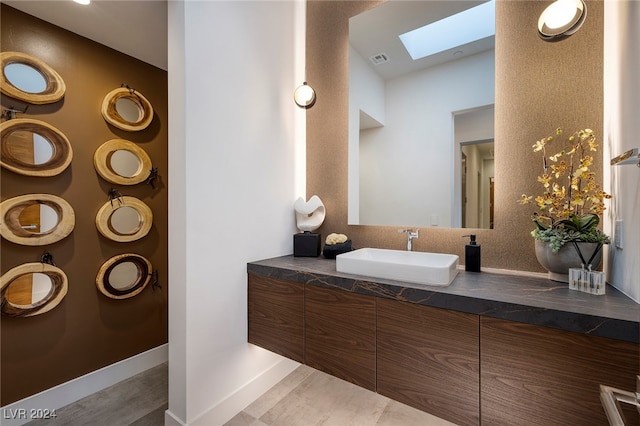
[472, 255]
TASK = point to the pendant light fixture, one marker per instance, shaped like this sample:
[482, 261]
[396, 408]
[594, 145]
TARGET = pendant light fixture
[304, 96]
[561, 19]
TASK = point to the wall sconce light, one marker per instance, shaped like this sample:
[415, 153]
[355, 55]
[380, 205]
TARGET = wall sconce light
[561, 19]
[304, 96]
[630, 157]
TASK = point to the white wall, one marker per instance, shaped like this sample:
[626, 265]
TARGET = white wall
[232, 186]
[366, 95]
[415, 149]
[622, 127]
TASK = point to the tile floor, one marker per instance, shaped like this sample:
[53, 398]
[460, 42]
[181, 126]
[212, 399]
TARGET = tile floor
[308, 397]
[138, 401]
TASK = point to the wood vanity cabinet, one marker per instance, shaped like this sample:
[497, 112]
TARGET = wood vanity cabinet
[535, 375]
[465, 368]
[340, 334]
[429, 358]
[276, 316]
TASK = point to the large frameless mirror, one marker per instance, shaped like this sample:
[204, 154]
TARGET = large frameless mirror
[122, 162]
[127, 109]
[32, 289]
[124, 219]
[29, 79]
[36, 219]
[415, 117]
[124, 276]
[33, 148]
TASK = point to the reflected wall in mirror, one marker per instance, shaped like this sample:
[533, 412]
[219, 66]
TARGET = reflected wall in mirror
[124, 219]
[36, 219]
[33, 148]
[124, 276]
[474, 168]
[404, 160]
[127, 109]
[29, 79]
[122, 162]
[32, 289]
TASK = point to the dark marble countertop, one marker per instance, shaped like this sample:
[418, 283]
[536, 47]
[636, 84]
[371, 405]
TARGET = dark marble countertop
[521, 298]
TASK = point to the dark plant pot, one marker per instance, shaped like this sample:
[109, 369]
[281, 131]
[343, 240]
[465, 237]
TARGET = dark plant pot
[558, 264]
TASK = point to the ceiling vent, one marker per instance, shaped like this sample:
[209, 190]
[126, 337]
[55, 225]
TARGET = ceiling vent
[379, 58]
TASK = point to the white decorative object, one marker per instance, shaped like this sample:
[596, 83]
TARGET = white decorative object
[310, 214]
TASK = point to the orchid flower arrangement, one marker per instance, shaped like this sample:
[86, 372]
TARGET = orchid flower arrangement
[572, 201]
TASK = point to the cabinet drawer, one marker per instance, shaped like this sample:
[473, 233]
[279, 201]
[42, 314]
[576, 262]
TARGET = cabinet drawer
[340, 334]
[276, 316]
[538, 375]
[428, 358]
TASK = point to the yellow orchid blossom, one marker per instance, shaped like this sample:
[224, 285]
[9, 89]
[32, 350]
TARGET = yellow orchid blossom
[569, 184]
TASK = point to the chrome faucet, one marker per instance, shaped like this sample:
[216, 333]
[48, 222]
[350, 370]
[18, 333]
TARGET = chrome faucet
[410, 236]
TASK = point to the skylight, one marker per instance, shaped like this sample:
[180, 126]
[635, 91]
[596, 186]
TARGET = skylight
[456, 30]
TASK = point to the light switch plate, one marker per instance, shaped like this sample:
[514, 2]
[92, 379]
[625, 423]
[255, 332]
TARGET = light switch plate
[617, 234]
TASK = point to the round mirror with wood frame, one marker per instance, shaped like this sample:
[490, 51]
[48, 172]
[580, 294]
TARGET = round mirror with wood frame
[124, 276]
[36, 219]
[33, 148]
[32, 289]
[127, 109]
[16, 65]
[122, 162]
[124, 219]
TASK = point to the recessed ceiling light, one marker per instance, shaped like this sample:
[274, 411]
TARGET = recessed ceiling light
[83, 2]
[456, 30]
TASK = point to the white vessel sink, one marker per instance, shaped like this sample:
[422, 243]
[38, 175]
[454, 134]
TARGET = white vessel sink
[410, 266]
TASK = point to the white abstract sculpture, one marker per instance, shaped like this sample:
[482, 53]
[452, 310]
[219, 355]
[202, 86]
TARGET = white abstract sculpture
[310, 214]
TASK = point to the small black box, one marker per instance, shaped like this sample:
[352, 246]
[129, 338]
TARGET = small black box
[306, 244]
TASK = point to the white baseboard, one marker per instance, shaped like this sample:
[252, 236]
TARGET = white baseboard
[237, 401]
[41, 404]
[171, 420]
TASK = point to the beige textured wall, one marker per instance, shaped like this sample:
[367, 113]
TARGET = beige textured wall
[539, 86]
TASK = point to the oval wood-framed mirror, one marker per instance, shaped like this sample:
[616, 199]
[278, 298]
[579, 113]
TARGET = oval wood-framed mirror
[27, 78]
[124, 219]
[33, 148]
[124, 276]
[32, 289]
[122, 162]
[127, 109]
[36, 219]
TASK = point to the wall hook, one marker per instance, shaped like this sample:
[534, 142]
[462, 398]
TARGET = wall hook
[154, 280]
[47, 257]
[10, 113]
[114, 194]
[153, 176]
[131, 89]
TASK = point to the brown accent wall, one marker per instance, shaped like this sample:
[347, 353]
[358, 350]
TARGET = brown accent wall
[539, 87]
[87, 330]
